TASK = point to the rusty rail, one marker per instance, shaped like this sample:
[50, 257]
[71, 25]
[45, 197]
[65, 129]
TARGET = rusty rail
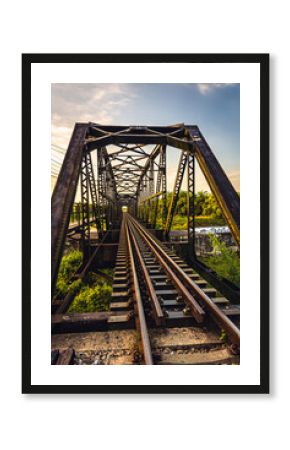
[187, 285]
[196, 310]
[156, 308]
[145, 340]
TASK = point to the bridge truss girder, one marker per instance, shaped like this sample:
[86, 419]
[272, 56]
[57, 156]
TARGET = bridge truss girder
[126, 175]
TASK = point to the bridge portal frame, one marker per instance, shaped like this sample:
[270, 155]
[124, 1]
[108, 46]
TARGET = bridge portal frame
[114, 184]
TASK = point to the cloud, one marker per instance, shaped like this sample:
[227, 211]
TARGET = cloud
[85, 102]
[207, 88]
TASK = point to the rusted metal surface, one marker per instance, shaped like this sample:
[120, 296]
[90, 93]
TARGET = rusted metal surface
[158, 313]
[146, 346]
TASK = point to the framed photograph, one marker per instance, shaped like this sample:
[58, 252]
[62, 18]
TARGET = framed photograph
[145, 223]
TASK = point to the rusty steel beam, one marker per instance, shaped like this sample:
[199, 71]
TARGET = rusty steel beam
[151, 197]
[99, 130]
[163, 185]
[94, 197]
[155, 152]
[190, 205]
[126, 139]
[218, 181]
[175, 193]
[85, 197]
[63, 197]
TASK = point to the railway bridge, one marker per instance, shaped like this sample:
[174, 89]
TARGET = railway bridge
[166, 306]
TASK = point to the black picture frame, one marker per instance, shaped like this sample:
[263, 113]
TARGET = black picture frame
[27, 61]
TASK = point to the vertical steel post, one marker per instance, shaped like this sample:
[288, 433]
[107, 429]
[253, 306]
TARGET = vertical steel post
[190, 205]
[163, 185]
[63, 198]
[151, 190]
[176, 190]
[100, 185]
[158, 187]
[93, 190]
[85, 196]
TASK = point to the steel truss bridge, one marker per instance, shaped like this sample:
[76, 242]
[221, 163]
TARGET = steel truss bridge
[117, 166]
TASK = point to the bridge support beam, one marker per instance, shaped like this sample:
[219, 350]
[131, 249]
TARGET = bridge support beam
[190, 205]
[218, 182]
[85, 197]
[175, 193]
[163, 185]
[63, 197]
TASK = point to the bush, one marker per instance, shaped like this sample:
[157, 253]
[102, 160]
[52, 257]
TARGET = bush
[70, 263]
[91, 299]
[93, 293]
[68, 267]
[225, 262]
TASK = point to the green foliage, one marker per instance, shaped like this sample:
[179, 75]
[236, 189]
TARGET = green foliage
[209, 221]
[68, 266]
[206, 210]
[70, 263]
[91, 299]
[225, 261]
[206, 205]
[180, 222]
[93, 293]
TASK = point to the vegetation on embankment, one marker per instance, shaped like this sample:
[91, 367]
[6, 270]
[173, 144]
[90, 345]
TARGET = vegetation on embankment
[224, 261]
[68, 267]
[93, 293]
[206, 210]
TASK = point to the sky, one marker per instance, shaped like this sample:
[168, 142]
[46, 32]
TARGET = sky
[214, 107]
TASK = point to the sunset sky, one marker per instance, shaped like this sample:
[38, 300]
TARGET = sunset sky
[215, 108]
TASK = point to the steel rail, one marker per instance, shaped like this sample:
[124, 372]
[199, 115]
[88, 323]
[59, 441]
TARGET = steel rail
[196, 309]
[146, 346]
[218, 316]
[156, 308]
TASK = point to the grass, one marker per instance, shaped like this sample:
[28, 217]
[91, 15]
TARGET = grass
[92, 294]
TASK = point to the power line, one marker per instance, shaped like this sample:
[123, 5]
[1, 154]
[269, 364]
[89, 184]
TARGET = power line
[56, 161]
[57, 156]
[58, 149]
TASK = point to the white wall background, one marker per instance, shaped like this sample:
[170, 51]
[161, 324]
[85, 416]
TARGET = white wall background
[222, 422]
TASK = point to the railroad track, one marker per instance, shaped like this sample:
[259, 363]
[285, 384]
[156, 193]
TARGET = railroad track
[161, 312]
[165, 295]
